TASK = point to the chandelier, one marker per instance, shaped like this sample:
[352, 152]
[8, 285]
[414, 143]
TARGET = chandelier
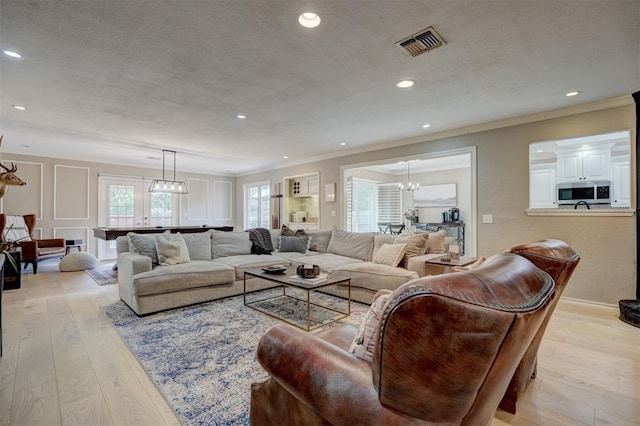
[168, 185]
[410, 186]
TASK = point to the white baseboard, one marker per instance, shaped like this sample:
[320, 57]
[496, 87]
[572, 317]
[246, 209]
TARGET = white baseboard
[589, 303]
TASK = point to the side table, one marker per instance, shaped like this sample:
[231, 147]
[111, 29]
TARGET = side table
[12, 277]
[448, 264]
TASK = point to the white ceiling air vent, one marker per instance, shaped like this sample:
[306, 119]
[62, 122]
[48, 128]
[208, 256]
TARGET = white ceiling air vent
[419, 43]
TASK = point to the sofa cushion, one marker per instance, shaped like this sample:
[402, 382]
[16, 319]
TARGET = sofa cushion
[374, 276]
[245, 262]
[380, 239]
[364, 343]
[351, 244]
[328, 262]
[145, 245]
[225, 244]
[436, 242]
[416, 244]
[167, 279]
[290, 244]
[198, 244]
[319, 240]
[172, 249]
[390, 254]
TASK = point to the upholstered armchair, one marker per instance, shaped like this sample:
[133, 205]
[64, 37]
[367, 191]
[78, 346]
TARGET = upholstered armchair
[559, 260]
[447, 347]
[33, 250]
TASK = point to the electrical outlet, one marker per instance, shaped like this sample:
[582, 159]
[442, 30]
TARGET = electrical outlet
[333, 213]
[487, 218]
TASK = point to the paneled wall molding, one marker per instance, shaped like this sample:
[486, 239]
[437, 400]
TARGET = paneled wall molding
[198, 200]
[37, 233]
[25, 199]
[222, 201]
[70, 192]
[73, 233]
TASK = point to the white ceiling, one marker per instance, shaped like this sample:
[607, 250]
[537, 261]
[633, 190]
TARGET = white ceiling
[117, 81]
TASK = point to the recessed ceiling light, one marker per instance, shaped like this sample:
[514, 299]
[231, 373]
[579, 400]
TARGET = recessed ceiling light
[309, 20]
[404, 84]
[18, 107]
[241, 116]
[12, 54]
[574, 93]
[426, 126]
[343, 144]
[285, 156]
[540, 150]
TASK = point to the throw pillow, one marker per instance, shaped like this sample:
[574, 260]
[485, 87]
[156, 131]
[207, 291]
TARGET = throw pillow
[380, 239]
[225, 244]
[415, 245]
[293, 244]
[144, 245]
[319, 240]
[357, 245]
[15, 229]
[288, 232]
[172, 249]
[198, 245]
[436, 242]
[390, 254]
[364, 343]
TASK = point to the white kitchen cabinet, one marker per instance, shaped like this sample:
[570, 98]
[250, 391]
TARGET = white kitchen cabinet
[586, 164]
[305, 187]
[621, 194]
[542, 186]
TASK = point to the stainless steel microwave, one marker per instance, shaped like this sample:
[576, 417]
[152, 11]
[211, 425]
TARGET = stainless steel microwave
[591, 192]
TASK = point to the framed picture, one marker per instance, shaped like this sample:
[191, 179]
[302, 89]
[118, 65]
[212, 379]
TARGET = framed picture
[330, 193]
[443, 195]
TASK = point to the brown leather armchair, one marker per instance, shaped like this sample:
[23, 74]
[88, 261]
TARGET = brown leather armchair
[35, 250]
[559, 260]
[447, 347]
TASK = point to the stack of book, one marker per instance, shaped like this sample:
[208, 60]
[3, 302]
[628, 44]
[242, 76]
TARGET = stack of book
[315, 280]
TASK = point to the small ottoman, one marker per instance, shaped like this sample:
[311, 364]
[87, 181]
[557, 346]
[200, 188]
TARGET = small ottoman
[78, 262]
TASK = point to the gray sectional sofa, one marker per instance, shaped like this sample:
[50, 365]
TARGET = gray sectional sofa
[216, 262]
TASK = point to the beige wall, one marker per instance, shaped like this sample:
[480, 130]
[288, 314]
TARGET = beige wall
[607, 270]
[606, 274]
[73, 192]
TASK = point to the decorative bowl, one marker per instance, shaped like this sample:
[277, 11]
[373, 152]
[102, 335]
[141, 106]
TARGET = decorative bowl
[275, 269]
[308, 271]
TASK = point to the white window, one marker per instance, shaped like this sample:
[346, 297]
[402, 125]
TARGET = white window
[389, 203]
[362, 199]
[257, 201]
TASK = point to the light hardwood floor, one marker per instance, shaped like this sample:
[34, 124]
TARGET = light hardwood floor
[64, 363]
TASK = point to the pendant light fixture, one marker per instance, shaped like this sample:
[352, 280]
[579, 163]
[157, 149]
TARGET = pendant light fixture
[172, 186]
[410, 187]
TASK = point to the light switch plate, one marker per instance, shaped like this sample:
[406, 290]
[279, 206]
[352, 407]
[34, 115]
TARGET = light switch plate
[487, 218]
[333, 213]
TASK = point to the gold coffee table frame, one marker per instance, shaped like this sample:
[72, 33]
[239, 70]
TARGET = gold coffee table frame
[283, 280]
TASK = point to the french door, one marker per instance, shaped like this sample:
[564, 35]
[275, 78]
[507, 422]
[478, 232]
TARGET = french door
[126, 203]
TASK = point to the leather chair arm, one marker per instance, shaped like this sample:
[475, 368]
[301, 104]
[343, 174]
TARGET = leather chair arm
[29, 250]
[337, 384]
[50, 242]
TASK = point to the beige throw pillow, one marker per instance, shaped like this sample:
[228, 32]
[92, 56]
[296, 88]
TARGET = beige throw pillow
[172, 249]
[415, 245]
[364, 344]
[390, 254]
[436, 242]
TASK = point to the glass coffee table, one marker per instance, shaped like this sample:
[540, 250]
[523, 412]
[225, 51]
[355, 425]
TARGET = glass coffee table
[301, 304]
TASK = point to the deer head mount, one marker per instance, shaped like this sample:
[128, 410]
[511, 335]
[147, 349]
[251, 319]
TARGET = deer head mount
[9, 177]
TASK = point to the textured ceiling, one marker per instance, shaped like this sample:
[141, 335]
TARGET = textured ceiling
[117, 81]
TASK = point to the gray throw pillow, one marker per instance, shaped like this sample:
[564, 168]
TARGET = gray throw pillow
[198, 244]
[292, 244]
[319, 240]
[145, 245]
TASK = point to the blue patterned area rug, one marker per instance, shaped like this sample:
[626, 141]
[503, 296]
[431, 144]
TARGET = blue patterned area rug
[202, 358]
